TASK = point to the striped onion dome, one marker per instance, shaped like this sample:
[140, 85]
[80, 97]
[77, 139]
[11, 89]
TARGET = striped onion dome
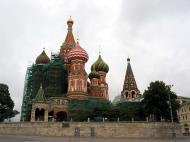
[78, 53]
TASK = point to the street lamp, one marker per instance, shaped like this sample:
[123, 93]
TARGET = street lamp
[171, 115]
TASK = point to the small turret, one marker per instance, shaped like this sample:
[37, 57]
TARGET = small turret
[98, 77]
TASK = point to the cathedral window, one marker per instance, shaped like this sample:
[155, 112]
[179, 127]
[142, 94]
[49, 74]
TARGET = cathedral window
[133, 94]
[74, 67]
[79, 85]
[132, 85]
[126, 95]
[72, 85]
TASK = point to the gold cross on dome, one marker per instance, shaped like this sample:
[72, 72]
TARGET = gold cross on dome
[99, 49]
[77, 36]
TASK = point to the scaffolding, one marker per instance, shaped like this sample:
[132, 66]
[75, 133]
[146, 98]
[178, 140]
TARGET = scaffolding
[55, 79]
[26, 102]
[52, 76]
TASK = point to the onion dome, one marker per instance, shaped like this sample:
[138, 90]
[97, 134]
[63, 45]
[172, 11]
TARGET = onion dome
[70, 20]
[42, 58]
[94, 73]
[100, 65]
[78, 53]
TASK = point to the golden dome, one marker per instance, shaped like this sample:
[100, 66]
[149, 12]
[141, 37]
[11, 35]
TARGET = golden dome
[70, 20]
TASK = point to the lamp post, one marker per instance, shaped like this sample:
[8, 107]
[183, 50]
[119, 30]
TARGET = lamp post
[171, 115]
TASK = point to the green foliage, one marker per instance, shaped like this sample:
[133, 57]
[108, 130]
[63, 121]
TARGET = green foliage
[155, 104]
[6, 104]
[129, 110]
[81, 110]
[156, 101]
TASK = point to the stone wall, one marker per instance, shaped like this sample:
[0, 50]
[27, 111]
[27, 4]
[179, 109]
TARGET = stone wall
[97, 129]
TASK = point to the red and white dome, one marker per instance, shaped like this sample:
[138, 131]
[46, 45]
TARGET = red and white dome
[78, 53]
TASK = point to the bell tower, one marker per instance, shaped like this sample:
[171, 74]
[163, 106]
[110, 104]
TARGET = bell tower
[130, 90]
[68, 44]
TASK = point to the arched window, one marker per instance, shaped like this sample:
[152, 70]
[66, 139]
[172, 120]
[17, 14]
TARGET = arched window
[80, 85]
[39, 114]
[126, 94]
[72, 85]
[133, 94]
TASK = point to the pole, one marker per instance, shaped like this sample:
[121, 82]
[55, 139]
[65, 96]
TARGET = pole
[171, 115]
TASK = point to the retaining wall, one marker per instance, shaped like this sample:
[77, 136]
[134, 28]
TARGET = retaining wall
[85, 129]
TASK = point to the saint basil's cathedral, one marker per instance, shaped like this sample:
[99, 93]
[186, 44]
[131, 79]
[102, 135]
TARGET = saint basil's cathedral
[51, 83]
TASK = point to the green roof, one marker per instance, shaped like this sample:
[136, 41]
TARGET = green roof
[182, 97]
[100, 65]
[185, 103]
[40, 98]
[129, 70]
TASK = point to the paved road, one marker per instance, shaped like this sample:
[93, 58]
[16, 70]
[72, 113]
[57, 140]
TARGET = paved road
[15, 138]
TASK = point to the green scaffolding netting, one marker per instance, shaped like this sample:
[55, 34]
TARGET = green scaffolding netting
[52, 76]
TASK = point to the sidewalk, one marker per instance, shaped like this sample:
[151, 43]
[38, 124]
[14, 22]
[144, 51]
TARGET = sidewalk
[16, 138]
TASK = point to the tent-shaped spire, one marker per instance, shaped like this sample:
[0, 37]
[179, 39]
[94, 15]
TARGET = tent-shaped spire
[69, 40]
[129, 82]
[130, 90]
[40, 98]
[129, 71]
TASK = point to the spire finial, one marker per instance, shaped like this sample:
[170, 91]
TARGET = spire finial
[70, 20]
[99, 49]
[70, 23]
[77, 37]
[128, 59]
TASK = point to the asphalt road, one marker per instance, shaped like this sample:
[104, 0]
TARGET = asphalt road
[16, 138]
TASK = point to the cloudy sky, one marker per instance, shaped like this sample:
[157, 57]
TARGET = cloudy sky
[155, 34]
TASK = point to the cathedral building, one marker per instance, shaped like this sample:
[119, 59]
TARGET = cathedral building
[130, 90]
[51, 83]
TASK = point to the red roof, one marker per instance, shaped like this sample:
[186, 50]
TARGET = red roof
[78, 53]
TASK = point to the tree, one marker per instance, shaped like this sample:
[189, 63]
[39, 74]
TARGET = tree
[81, 110]
[156, 101]
[6, 104]
[129, 110]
